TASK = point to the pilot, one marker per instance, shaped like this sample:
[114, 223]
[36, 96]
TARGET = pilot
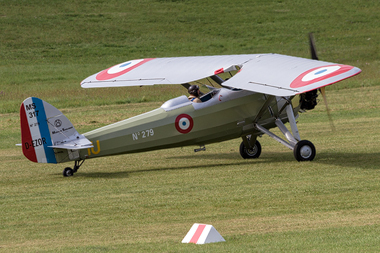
[194, 94]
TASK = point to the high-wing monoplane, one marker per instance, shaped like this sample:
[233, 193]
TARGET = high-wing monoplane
[263, 91]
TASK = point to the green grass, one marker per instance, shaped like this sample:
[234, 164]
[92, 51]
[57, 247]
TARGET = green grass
[147, 202]
[47, 46]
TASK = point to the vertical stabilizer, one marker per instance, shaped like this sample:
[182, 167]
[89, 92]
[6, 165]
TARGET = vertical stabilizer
[44, 128]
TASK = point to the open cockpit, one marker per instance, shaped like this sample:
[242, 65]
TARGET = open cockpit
[211, 88]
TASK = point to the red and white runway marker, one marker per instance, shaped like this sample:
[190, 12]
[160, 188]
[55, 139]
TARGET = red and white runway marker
[201, 234]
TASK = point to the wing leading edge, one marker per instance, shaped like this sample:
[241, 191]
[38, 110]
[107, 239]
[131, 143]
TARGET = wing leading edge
[272, 74]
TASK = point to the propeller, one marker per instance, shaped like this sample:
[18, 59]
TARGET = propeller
[313, 49]
[314, 56]
[323, 92]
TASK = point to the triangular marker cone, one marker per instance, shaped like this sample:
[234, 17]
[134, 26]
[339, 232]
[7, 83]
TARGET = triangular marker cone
[201, 234]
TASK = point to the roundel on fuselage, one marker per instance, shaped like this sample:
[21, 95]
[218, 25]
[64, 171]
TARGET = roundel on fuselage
[184, 123]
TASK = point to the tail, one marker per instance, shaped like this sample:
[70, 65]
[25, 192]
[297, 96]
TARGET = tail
[46, 132]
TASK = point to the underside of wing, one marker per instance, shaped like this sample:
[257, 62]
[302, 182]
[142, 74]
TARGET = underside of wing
[272, 74]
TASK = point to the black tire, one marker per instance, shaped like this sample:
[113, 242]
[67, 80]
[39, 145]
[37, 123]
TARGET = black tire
[304, 151]
[250, 153]
[68, 172]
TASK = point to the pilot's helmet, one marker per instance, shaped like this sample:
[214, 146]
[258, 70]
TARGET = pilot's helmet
[193, 90]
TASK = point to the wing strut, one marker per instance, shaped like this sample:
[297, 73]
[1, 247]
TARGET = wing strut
[249, 141]
[217, 79]
[292, 139]
[263, 108]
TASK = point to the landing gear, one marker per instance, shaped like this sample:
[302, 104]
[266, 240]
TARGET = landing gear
[304, 151]
[250, 153]
[68, 172]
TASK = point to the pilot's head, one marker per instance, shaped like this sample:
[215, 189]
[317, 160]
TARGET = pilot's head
[193, 90]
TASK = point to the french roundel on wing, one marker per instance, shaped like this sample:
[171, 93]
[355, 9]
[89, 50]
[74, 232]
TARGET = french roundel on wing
[120, 69]
[318, 74]
[184, 123]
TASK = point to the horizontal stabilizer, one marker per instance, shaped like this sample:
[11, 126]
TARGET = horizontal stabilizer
[79, 142]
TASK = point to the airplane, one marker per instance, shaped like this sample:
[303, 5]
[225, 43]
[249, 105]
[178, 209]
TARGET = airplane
[260, 92]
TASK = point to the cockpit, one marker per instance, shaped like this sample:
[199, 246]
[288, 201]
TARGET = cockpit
[182, 101]
[209, 95]
[211, 90]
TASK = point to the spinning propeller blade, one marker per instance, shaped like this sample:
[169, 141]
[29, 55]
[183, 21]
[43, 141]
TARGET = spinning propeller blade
[314, 56]
[323, 92]
[313, 50]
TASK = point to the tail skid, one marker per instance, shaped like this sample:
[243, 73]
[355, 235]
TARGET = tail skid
[44, 128]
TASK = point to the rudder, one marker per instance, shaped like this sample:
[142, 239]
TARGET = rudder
[43, 129]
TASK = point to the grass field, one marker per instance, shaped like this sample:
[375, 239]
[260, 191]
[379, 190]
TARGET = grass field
[147, 202]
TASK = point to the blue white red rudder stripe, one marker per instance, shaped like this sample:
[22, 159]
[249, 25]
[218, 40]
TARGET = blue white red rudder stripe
[35, 134]
[44, 128]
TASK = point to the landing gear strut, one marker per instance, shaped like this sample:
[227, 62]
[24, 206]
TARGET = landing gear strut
[68, 172]
[303, 150]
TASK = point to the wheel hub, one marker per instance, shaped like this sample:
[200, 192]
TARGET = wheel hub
[252, 151]
[305, 152]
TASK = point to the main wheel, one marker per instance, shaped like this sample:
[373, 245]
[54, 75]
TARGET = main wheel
[304, 151]
[68, 172]
[250, 153]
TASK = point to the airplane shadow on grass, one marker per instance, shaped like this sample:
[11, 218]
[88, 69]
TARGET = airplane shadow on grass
[125, 174]
[349, 160]
[231, 160]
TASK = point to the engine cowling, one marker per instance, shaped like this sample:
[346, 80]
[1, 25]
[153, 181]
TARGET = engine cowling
[308, 100]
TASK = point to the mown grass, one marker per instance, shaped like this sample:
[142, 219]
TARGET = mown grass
[50, 46]
[147, 202]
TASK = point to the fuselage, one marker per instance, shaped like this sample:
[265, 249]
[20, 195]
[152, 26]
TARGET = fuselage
[225, 114]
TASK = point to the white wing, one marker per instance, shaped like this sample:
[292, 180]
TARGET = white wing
[272, 74]
[174, 70]
[282, 75]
